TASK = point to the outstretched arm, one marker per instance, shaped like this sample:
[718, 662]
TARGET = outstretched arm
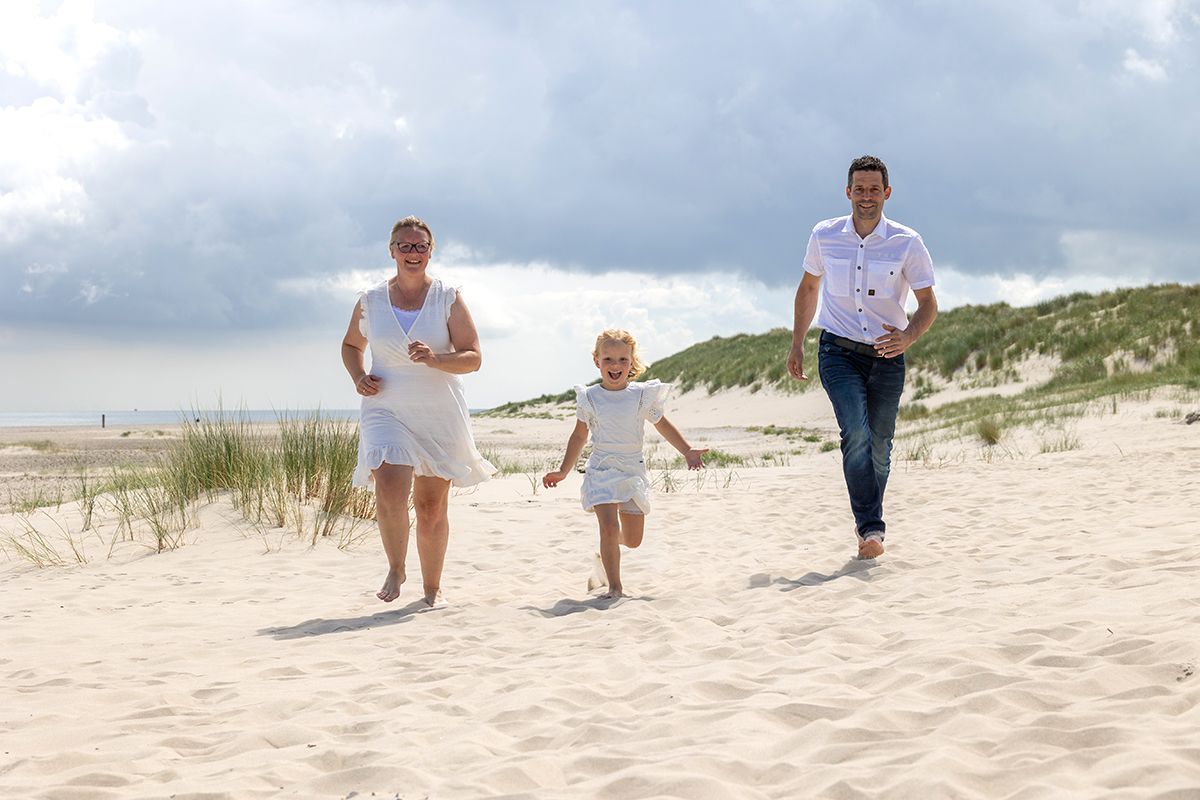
[575, 445]
[690, 454]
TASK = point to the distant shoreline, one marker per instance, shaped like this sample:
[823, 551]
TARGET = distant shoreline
[91, 419]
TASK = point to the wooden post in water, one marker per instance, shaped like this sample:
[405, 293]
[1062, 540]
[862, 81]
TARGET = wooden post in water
[101, 420]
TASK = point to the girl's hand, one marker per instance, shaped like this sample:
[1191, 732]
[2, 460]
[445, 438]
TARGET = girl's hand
[420, 353]
[552, 479]
[693, 458]
[368, 385]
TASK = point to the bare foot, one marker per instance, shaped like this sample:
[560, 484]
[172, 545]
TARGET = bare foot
[613, 593]
[870, 548]
[435, 599]
[391, 586]
[597, 578]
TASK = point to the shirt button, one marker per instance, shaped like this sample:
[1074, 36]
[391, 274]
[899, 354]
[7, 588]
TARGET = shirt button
[858, 290]
[860, 247]
[860, 267]
[860, 311]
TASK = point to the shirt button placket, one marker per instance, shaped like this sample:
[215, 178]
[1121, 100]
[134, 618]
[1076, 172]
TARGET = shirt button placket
[858, 285]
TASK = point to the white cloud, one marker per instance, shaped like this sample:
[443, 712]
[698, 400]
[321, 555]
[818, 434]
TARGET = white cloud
[1146, 68]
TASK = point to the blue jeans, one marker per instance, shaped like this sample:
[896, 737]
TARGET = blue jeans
[865, 392]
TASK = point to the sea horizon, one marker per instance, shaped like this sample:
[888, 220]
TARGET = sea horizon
[144, 417]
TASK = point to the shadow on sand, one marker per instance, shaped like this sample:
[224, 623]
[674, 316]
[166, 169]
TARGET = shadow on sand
[568, 606]
[856, 568]
[320, 627]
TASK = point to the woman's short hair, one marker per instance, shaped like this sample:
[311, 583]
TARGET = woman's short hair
[415, 222]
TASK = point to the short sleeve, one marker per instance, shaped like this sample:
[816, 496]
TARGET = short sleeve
[583, 406]
[918, 265]
[812, 257]
[363, 327]
[653, 399]
[449, 295]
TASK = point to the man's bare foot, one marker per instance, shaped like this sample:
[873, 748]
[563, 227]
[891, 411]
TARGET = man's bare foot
[870, 548]
[391, 586]
[597, 578]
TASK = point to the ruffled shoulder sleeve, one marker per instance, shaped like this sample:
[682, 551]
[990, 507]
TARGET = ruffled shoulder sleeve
[583, 405]
[364, 326]
[653, 399]
[449, 295]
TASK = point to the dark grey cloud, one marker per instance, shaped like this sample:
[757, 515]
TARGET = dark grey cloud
[241, 145]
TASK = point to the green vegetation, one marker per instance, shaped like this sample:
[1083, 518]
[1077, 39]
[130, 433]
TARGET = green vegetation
[295, 474]
[741, 360]
[530, 408]
[41, 445]
[989, 431]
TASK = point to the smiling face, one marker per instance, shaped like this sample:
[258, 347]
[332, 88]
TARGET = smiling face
[412, 262]
[867, 194]
[614, 360]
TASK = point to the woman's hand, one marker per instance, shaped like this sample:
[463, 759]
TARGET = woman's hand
[421, 353]
[552, 479]
[693, 458]
[368, 384]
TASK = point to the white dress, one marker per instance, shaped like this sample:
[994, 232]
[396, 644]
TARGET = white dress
[419, 417]
[616, 469]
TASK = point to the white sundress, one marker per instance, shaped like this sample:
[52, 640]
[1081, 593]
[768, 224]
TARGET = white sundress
[616, 469]
[419, 417]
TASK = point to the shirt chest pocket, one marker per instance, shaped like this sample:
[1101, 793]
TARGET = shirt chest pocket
[882, 277]
[837, 276]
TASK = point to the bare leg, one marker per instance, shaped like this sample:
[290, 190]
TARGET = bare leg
[632, 528]
[610, 547]
[392, 485]
[431, 497]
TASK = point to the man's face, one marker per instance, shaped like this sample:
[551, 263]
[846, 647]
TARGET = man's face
[867, 195]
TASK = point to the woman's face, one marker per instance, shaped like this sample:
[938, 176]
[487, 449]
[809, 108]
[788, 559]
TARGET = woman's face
[413, 262]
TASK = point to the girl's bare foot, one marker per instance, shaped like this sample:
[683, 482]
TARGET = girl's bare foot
[613, 593]
[391, 585]
[597, 578]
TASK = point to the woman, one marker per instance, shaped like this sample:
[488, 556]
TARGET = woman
[415, 431]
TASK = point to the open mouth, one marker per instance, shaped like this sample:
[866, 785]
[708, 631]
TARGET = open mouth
[615, 376]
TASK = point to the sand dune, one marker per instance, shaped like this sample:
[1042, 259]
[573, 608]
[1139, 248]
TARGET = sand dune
[1032, 632]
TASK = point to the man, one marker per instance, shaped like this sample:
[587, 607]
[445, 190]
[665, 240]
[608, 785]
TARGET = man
[868, 263]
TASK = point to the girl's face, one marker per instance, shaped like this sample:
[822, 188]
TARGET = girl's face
[614, 361]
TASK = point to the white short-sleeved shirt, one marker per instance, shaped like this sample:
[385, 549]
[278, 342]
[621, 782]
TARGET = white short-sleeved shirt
[866, 280]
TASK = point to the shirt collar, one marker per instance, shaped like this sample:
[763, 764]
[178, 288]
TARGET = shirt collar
[880, 229]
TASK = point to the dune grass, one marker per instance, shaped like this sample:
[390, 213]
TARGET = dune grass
[294, 473]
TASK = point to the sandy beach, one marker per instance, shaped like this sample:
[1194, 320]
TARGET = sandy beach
[1033, 631]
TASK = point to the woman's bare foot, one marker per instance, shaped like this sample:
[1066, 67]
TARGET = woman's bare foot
[435, 599]
[391, 585]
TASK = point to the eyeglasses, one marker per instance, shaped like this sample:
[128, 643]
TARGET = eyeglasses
[420, 247]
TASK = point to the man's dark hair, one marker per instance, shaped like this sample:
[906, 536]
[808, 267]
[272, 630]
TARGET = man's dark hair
[867, 164]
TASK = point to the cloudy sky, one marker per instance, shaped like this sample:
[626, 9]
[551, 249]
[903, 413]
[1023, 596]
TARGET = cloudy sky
[192, 194]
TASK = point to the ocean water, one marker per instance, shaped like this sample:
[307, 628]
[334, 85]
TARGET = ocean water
[114, 419]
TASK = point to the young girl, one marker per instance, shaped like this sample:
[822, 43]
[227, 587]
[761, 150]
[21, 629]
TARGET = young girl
[616, 485]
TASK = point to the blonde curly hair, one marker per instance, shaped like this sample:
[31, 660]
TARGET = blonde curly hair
[636, 367]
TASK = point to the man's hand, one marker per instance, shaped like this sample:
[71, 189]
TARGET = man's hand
[894, 342]
[795, 363]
